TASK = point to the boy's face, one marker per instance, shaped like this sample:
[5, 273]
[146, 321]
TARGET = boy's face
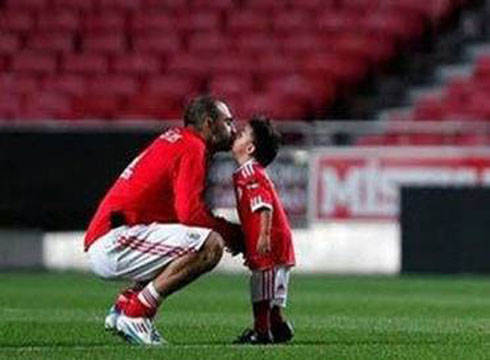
[243, 146]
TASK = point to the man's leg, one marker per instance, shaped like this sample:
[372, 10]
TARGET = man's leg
[179, 273]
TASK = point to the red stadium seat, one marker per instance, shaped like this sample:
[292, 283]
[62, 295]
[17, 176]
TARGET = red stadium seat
[96, 107]
[46, 105]
[266, 5]
[112, 43]
[49, 41]
[209, 42]
[72, 85]
[34, 62]
[118, 5]
[30, 5]
[328, 65]
[111, 22]
[199, 21]
[256, 43]
[215, 5]
[292, 22]
[9, 43]
[272, 64]
[248, 22]
[77, 5]
[230, 85]
[113, 85]
[58, 21]
[137, 64]
[157, 106]
[16, 21]
[314, 5]
[157, 43]
[10, 106]
[86, 64]
[189, 65]
[173, 85]
[167, 5]
[230, 64]
[153, 22]
[18, 84]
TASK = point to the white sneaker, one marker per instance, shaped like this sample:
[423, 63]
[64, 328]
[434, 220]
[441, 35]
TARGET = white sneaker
[111, 319]
[140, 331]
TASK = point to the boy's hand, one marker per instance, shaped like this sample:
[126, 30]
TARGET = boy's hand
[263, 245]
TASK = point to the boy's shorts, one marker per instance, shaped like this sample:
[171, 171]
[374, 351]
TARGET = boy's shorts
[271, 284]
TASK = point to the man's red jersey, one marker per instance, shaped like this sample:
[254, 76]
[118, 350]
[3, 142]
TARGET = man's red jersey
[255, 191]
[164, 184]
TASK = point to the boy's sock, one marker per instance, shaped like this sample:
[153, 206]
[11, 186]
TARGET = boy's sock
[277, 316]
[145, 304]
[261, 310]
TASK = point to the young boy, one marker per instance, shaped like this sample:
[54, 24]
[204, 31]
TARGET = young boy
[269, 249]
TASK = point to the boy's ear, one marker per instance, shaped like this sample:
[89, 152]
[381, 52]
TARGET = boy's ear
[250, 148]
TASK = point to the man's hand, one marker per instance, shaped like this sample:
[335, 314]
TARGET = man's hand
[263, 244]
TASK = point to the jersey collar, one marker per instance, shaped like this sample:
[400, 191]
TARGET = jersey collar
[249, 162]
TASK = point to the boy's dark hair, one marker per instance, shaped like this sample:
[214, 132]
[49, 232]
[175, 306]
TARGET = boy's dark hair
[266, 139]
[198, 109]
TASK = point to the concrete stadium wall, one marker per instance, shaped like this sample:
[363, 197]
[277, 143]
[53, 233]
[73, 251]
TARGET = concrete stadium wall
[340, 248]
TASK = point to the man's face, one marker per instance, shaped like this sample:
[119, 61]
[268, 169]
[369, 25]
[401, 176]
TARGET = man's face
[223, 128]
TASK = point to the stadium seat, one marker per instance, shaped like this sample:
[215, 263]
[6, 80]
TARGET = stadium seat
[172, 85]
[111, 43]
[18, 84]
[96, 107]
[230, 85]
[51, 41]
[45, 106]
[10, 106]
[74, 5]
[29, 5]
[16, 21]
[137, 64]
[113, 85]
[255, 43]
[111, 22]
[58, 21]
[198, 21]
[167, 5]
[72, 85]
[292, 22]
[247, 22]
[189, 65]
[156, 43]
[117, 5]
[429, 108]
[34, 62]
[9, 43]
[85, 64]
[209, 42]
[153, 22]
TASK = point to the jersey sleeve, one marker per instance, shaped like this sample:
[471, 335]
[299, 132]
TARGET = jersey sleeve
[189, 187]
[259, 194]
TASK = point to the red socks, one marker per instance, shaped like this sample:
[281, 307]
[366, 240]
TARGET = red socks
[261, 312]
[145, 304]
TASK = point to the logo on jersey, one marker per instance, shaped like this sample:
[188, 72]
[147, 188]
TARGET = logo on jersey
[171, 136]
[194, 236]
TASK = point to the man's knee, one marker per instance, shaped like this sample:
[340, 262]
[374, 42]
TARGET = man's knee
[213, 249]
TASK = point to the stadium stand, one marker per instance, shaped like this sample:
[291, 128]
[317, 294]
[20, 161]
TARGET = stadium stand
[291, 59]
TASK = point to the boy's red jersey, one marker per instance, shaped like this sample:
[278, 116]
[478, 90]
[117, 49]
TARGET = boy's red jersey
[255, 191]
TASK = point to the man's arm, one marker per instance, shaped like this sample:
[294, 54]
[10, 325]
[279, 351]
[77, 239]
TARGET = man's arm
[190, 206]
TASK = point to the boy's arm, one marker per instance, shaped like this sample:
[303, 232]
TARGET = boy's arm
[264, 240]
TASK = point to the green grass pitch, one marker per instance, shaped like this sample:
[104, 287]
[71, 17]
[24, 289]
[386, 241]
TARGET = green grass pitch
[60, 316]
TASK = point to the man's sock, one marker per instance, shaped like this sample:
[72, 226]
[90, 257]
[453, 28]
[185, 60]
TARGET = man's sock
[261, 311]
[145, 304]
[123, 299]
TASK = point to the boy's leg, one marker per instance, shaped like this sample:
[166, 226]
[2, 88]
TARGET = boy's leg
[282, 330]
[261, 291]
